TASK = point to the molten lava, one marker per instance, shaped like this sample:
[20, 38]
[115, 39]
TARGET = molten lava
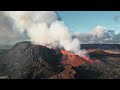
[73, 59]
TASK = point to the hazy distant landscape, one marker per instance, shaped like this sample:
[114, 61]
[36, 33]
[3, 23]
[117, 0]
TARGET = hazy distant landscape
[84, 46]
[101, 46]
[4, 48]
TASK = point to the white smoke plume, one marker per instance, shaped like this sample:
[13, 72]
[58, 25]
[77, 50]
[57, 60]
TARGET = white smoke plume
[8, 35]
[44, 28]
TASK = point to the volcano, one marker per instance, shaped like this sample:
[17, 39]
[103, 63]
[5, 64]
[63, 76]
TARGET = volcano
[27, 61]
[73, 59]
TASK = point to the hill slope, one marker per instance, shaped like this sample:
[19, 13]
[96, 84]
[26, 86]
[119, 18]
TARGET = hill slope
[26, 60]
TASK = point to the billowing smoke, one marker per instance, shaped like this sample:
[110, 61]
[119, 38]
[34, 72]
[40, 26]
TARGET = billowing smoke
[99, 35]
[8, 35]
[44, 28]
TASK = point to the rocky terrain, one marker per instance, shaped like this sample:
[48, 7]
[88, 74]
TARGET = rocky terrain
[27, 61]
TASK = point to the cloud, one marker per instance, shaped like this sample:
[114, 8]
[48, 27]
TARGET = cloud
[116, 18]
[99, 35]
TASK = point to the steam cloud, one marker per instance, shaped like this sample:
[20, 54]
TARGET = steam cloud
[44, 28]
[8, 35]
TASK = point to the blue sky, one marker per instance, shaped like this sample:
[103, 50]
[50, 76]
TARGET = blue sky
[84, 21]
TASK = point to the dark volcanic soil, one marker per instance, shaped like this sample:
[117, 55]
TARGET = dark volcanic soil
[28, 61]
[108, 68]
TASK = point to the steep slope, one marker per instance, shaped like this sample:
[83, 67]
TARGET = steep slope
[28, 61]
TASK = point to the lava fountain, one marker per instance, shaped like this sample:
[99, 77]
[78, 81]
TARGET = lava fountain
[74, 60]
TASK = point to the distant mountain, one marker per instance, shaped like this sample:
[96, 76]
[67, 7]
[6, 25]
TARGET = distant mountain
[101, 46]
[5, 46]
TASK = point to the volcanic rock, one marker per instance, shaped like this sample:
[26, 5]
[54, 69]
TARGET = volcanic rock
[97, 71]
[99, 53]
[28, 61]
[68, 73]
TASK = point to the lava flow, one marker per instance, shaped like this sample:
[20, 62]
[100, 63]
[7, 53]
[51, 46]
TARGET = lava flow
[73, 59]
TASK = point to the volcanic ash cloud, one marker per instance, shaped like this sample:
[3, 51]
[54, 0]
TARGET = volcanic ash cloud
[44, 28]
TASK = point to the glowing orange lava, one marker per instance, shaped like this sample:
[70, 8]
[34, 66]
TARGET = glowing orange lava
[73, 59]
